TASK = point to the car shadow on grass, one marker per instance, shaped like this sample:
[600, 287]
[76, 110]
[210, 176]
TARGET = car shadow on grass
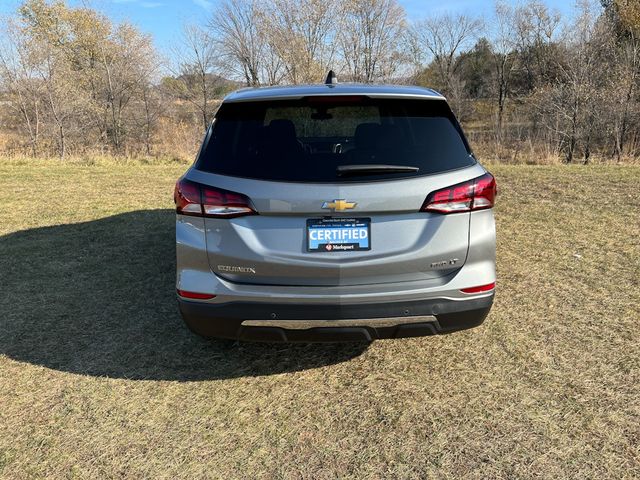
[98, 298]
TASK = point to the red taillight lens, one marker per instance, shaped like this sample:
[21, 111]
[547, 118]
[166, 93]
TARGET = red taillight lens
[195, 295]
[222, 203]
[476, 194]
[479, 288]
[192, 198]
[187, 198]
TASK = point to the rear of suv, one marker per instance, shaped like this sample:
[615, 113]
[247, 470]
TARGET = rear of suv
[334, 212]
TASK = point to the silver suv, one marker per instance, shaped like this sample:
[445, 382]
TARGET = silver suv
[334, 212]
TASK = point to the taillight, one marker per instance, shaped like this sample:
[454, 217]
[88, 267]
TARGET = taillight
[199, 200]
[476, 194]
[187, 198]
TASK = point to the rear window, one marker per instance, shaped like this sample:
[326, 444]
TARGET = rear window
[307, 140]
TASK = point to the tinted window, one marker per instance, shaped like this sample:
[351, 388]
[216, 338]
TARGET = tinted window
[306, 140]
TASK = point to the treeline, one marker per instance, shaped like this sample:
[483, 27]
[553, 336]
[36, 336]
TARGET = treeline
[74, 81]
[527, 84]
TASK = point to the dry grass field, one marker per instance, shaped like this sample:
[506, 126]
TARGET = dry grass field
[99, 378]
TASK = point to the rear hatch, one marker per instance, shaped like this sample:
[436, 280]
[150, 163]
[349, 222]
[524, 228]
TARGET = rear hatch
[337, 184]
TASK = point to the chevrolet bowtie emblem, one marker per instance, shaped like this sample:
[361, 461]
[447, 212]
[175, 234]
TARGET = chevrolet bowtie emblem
[339, 205]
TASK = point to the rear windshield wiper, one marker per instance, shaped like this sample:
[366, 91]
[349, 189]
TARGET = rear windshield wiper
[344, 170]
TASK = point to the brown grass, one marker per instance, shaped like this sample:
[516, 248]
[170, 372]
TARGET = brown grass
[99, 378]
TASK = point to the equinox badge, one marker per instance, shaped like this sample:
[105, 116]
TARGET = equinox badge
[339, 205]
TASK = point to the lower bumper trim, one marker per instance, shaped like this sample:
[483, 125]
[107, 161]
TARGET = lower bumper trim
[333, 323]
[350, 322]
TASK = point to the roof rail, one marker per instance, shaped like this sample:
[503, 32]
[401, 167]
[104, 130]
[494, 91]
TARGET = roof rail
[331, 78]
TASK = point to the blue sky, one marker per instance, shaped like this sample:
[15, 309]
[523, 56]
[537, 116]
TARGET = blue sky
[164, 18]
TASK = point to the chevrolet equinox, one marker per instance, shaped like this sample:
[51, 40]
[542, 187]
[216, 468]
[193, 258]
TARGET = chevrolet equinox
[334, 212]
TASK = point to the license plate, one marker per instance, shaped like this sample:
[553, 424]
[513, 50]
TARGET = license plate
[338, 234]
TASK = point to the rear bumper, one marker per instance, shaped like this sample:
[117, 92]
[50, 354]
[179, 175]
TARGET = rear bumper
[272, 322]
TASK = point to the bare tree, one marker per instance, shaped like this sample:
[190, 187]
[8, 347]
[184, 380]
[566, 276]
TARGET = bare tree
[536, 28]
[573, 96]
[444, 37]
[272, 71]
[152, 109]
[127, 61]
[371, 39]
[235, 28]
[504, 53]
[624, 22]
[45, 39]
[52, 72]
[197, 76]
[302, 33]
[20, 84]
